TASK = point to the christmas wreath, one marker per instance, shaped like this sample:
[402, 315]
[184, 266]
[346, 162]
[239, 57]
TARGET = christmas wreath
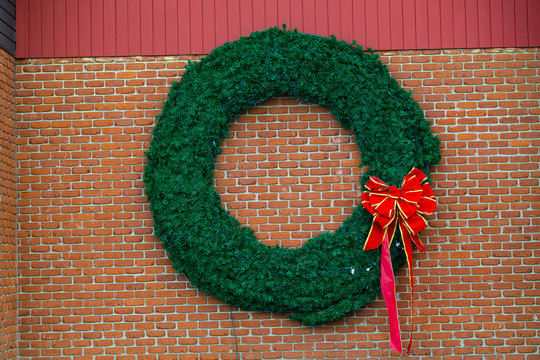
[331, 274]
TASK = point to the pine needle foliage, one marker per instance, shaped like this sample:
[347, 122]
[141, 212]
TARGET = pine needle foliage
[330, 275]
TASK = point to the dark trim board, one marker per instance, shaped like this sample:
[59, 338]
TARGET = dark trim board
[7, 25]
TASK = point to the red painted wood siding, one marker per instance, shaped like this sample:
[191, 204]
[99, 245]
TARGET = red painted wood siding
[73, 28]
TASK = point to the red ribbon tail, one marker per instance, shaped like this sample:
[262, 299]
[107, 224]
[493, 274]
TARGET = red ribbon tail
[388, 287]
[408, 245]
[375, 236]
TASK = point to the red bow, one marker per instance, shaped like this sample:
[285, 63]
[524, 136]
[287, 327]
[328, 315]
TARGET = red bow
[393, 207]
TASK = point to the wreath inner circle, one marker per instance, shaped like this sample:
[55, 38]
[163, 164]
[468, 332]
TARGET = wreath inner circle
[330, 275]
[289, 171]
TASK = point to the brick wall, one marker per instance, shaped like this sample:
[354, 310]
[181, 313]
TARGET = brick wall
[8, 243]
[95, 282]
[289, 171]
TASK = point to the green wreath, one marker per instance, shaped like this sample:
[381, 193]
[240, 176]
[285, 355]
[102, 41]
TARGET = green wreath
[330, 275]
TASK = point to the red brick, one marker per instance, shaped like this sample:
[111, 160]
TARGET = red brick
[85, 230]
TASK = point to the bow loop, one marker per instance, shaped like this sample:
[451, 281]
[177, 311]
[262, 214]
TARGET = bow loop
[384, 202]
